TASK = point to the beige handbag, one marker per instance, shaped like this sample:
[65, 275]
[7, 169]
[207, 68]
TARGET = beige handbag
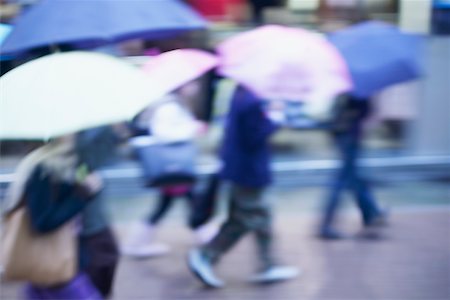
[42, 259]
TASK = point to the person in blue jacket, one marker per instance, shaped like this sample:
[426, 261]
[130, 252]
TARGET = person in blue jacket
[246, 165]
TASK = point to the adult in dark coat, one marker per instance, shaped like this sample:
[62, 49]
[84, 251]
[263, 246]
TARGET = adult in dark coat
[246, 165]
[245, 150]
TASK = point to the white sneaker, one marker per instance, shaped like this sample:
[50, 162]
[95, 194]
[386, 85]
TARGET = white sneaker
[141, 233]
[141, 243]
[202, 269]
[146, 251]
[205, 233]
[275, 274]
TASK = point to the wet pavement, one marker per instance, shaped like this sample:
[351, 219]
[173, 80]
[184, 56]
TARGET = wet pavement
[411, 260]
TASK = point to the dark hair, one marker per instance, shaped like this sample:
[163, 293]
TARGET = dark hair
[348, 111]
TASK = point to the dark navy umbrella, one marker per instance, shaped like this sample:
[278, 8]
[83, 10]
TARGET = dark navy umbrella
[378, 55]
[90, 23]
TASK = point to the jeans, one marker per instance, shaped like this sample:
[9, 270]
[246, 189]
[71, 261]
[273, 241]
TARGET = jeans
[348, 176]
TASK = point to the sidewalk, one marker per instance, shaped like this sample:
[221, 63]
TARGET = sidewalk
[412, 261]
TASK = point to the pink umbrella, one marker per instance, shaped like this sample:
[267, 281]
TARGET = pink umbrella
[278, 62]
[171, 70]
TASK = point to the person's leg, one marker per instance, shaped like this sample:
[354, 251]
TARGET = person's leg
[333, 201]
[102, 258]
[373, 217]
[337, 187]
[260, 223]
[199, 213]
[193, 202]
[358, 185]
[201, 260]
[204, 204]
[364, 198]
[164, 203]
[141, 242]
[248, 212]
[232, 230]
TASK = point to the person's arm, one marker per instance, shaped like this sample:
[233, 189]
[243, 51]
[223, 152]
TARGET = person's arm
[50, 203]
[256, 127]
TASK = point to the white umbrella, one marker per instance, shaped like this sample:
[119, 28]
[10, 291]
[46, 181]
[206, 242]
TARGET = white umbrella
[67, 92]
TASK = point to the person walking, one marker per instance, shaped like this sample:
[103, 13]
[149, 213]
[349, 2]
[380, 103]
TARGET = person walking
[347, 127]
[99, 249]
[170, 122]
[246, 157]
[55, 187]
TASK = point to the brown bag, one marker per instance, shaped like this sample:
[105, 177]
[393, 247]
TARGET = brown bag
[42, 259]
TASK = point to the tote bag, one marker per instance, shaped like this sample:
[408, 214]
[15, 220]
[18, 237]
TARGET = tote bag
[43, 259]
[165, 164]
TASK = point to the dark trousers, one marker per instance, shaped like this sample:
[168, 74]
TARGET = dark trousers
[348, 176]
[249, 212]
[205, 203]
[165, 202]
[101, 258]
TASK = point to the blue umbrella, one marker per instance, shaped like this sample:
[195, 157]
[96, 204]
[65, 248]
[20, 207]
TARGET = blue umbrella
[84, 24]
[5, 30]
[378, 55]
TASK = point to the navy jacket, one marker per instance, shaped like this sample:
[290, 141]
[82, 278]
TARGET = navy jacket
[245, 151]
[52, 203]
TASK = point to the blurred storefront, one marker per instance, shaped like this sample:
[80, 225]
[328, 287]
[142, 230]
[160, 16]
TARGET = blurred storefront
[412, 119]
[222, 11]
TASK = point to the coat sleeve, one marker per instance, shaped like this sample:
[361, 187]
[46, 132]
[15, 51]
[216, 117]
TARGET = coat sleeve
[256, 127]
[51, 203]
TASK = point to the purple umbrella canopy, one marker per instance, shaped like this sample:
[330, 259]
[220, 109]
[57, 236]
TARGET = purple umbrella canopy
[85, 24]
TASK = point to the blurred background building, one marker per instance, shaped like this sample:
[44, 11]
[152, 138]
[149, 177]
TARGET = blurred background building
[410, 128]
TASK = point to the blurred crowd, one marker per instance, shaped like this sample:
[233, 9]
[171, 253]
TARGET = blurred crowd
[57, 236]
